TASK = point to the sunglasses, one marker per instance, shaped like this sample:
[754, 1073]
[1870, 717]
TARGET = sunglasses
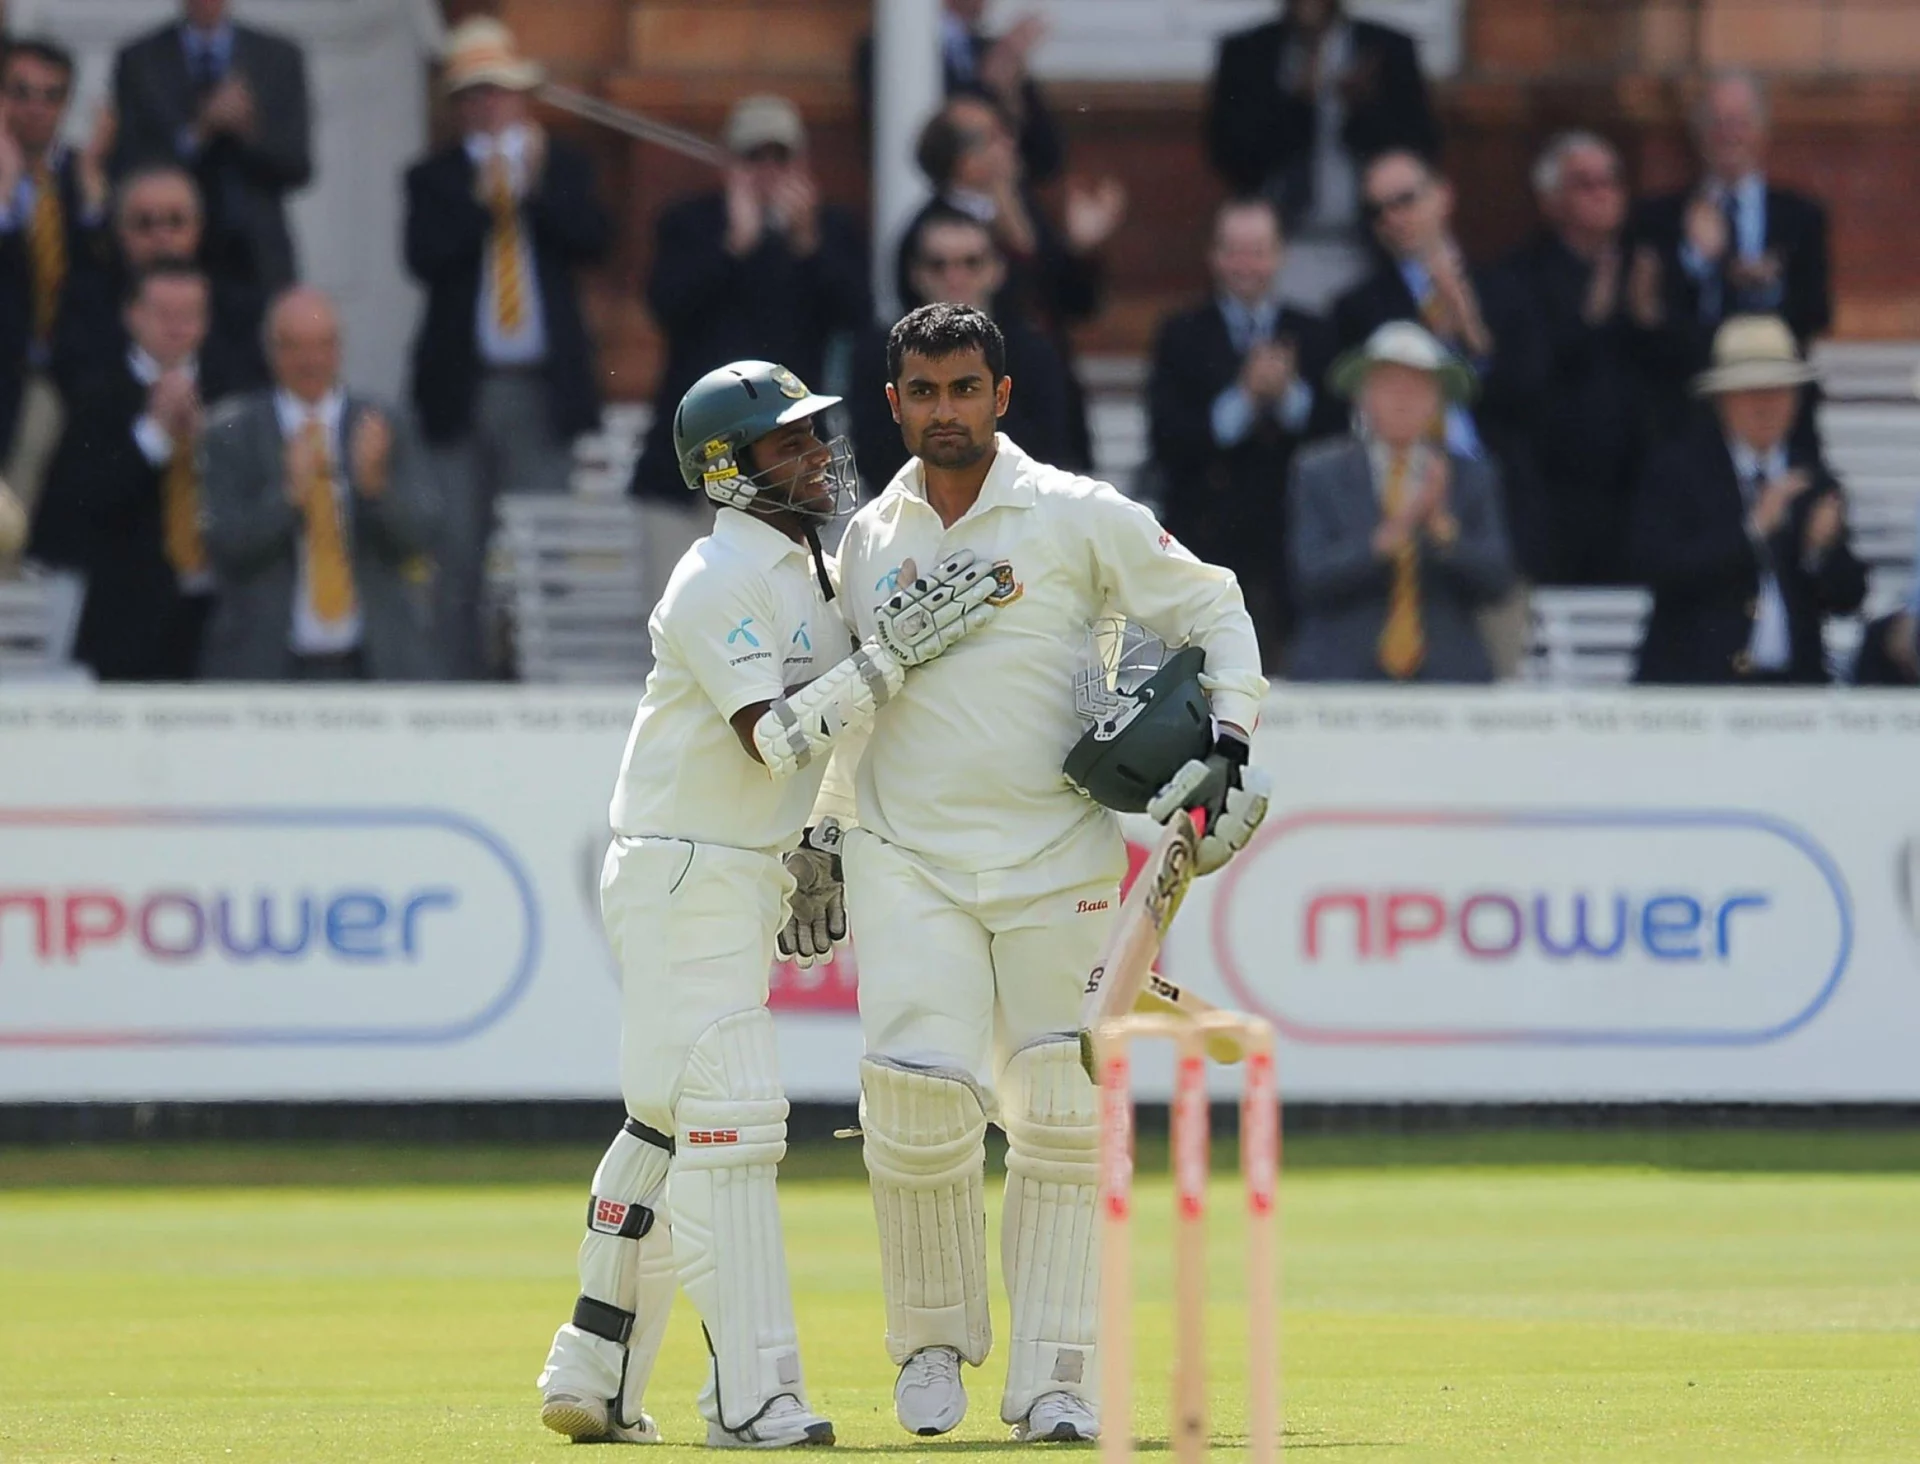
[941, 263]
[19, 91]
[1379, 208]
[141, 223]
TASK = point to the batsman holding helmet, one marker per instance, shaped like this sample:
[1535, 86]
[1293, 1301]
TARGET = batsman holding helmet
[984, 884]
[720, 857]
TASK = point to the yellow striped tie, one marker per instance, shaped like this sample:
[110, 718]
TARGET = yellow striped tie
[509, 301]
[1403, 640]
[47, 251]
[180, 514]
[329, 574]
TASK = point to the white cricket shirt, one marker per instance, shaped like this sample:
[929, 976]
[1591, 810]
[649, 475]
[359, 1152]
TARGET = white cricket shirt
[963, 766]
[743, 620]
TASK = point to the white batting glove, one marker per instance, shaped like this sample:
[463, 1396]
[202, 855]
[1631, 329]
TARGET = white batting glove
[817, 910]
[926, 615]
[1233, 796]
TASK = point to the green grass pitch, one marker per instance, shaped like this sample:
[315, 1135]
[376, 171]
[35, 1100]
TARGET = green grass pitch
[1753, 1296]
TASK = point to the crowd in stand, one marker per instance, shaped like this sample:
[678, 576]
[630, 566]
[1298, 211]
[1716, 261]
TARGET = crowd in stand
[1388, 441]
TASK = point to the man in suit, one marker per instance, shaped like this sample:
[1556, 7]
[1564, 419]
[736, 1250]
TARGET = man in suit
[156, 215]
[992, 66]
[318, 508]
[1735, 243]
[1396, 537]
[1296, 108]
[760, 269]
[229, 103]
[1595, 301]
[956, 262]
[1230, 398]
[1740, 531]
[499, 224]
[122, 501]
[53, 210]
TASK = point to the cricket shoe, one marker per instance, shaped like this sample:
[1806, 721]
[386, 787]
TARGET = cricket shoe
[586, 1421]
[783, 1424]
[928, 1396]
[1057, 1418]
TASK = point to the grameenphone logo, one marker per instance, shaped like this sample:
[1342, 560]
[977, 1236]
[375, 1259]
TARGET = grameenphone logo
[1534, 926]
[257, 926]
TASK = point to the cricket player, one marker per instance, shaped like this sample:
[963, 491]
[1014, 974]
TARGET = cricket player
[707, 876]
[985, 884]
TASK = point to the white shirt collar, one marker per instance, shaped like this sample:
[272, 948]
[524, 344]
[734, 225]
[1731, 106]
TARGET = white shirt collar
[294, 413]
[146, 370]
[1746, 462]
[754, 537]
[511, 144]
[1009, 482]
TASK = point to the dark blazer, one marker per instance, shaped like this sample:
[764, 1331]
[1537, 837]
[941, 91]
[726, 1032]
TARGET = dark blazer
[1691, 547]
[244, 184]
[447, 230]
[714, 308]
[1228, 504]
[1589, 426]
[1036, 411]
[1259, 136]
[1505, 411]
[100, 513]
[253, 537]
[90, 336]
[1042, 152]
[1341, 586]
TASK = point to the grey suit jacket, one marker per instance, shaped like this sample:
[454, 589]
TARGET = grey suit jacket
[1341, 586]
[253, 539]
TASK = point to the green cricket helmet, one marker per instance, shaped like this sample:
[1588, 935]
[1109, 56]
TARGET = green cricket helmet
[1146, 714]
[736, 405]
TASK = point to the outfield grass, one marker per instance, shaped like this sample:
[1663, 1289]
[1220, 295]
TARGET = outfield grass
[1664, 1297]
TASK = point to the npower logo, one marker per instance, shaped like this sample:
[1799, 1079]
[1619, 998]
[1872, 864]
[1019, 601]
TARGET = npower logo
[1654, 927]
[161, 927]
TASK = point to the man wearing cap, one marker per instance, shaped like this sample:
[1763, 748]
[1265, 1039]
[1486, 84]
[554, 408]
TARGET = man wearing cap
[498, 225]
[1741, 530]
[726, 850]
[1396, 536]
[758, 267]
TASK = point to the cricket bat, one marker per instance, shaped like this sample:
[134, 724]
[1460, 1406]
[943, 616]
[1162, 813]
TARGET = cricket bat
[1125, 965]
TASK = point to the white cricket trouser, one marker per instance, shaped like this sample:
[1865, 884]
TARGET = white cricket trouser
[693, 928]
[963, 969]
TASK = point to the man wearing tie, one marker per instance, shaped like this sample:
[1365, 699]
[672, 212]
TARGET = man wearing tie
[317, 513]
[122, 500]
[1396, 537]
[53, 216]
[229, 103]
[498, 225]
[1741, 532]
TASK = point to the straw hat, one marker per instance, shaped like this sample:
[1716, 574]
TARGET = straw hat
[1403, 343]
[1753, 353]
[481, 52]
[764, 121]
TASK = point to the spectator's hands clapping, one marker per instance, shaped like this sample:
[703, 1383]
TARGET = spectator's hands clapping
[174, 402]
[794, 200]
[302, 463]
[535, 157]
[1643, 290]
[1003, 68]
[371, 453]
[1706, 228]
[1603, 290]
[746, 215]
[1755, 274]
[1770, 509]
[90, 165]
[1431, 504]
[1268, 371]
[1093, 212]
[1826, 522]
[229, 108]
[13, 163]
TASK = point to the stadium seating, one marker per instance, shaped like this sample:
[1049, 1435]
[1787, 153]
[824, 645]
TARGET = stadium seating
[39, 616]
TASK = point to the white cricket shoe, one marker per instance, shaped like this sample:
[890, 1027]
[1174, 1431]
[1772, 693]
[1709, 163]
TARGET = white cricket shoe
[928, 1396]
[1057, 1418]
[586, 1421]
[784, 1423]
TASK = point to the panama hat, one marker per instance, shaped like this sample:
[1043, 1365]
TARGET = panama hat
[1403, 343]
[481, 52]
[1753, 353]
[764, 121]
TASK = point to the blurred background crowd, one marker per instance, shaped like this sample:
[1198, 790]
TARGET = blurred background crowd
[1624, 402]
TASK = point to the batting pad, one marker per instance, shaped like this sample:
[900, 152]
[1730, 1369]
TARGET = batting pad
[1049, 1245]
[925, 1130]
[731, 1130]
[626, 1282]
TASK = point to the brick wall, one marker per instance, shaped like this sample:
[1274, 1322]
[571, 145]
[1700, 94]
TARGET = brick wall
[1846, 104]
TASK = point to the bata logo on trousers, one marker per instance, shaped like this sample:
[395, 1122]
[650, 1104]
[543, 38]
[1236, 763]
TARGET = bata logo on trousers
[713, 1136]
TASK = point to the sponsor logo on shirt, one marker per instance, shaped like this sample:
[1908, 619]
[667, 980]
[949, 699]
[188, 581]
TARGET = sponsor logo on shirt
[741, 633]
[801, 638]
[1089, 907]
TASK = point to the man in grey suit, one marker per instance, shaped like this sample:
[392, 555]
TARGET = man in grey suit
[1396, 539]
[318, 508]
[228, 103]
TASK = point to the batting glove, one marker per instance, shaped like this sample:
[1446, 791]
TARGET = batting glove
[926, 615]
[1232, 795]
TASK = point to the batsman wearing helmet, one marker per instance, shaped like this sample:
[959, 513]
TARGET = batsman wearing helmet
[985, 883]
[720, 858]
